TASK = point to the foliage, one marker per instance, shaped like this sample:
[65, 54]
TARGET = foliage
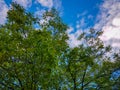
[32, 59]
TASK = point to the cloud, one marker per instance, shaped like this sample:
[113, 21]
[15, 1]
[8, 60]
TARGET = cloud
[3, 11]
[39, 13]
[73, 37]
[4, 8]
[80, 23]
[116, 22]
[73, 42]
[81, 26]
[46, 3]
[108, 21]
[57, 4]
[82, 14]
[74, 33]
[24, 3]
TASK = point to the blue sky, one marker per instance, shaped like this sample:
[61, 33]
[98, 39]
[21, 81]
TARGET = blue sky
[79, 15]
[72, 10]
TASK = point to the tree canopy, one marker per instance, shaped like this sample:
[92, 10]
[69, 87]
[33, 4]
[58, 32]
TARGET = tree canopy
[41, 59]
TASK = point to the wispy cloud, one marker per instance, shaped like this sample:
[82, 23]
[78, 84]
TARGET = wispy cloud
[57, 4]
[4, 8]
[74, 35]
[24, 3]
[82, 14]
[108, 21]
[80, 26]
[75, 32]
[46, 3]
[81, 23]
[3, 11]
[39, 12]
[73, 42]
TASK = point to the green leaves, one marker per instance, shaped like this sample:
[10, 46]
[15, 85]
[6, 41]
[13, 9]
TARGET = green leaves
[30, 58]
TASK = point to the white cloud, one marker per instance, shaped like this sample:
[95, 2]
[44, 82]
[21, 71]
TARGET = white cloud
[3, 11]
[73, 37]
[4, 8]
[73, 42]
[80, 23]
[81, 26]
[90, 17]
[82, 14]
[57, 4]
[73, 34]
[116, 21]
[24, 3]
[39, 13]
[108, 21]
[46, 3]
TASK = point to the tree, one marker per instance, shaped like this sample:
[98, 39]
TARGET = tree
[32, 59]
[89, 66]
[29, 57]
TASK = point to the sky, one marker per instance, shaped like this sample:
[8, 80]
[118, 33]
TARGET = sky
[79, 15]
